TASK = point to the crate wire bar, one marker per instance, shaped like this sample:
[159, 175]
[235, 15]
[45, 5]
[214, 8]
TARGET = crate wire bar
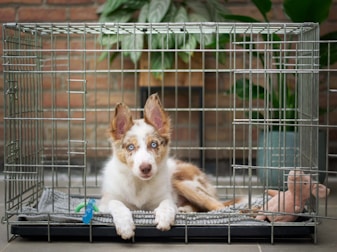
[60, 92]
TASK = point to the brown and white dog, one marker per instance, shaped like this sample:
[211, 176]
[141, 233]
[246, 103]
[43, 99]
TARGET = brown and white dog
[140, 175]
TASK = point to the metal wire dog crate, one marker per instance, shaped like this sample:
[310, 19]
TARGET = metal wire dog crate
[225, 85]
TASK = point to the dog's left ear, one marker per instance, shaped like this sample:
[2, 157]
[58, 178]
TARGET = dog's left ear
[155, 115]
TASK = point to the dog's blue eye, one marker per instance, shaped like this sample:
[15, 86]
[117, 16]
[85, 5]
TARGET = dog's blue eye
[154, 145]
[130, 147]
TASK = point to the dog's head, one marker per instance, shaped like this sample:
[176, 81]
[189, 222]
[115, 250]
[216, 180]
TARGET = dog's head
[141, 144]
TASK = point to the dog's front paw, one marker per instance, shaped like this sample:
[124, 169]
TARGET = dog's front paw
[126, 231]
[163, 221]
[165, 216]
[122, 218]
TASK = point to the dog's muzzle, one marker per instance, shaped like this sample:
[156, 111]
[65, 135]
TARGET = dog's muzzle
[146, 170]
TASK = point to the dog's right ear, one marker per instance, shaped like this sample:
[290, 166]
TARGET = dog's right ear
[155, 115]
[121, 122]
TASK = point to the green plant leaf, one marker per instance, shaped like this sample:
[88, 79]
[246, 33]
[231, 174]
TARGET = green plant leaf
[143, 13]
[307, 10]
[264, 7]
[161, 41]
[185, 56]
[197, 18]
[217, 10]
[188, 48]
[133, 44]
[204, 39]
[135, 4]
[119, 16]
[112, 5]
[170, 14]
[199, 15]
[242, 90]
[220, 42]
[105, 54]
[240, 18]
[328, 51]
[108, 40]
[181, 15]
[161, 61]
[199, 12]
[157, 10]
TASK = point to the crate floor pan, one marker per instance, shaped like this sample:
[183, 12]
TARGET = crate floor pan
[225, 233]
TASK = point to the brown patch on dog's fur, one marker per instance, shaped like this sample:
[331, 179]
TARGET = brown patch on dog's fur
[123, 154]
[194, 190]
[160, 152]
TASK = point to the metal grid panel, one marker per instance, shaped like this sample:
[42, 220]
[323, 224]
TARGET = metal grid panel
[176, 28]
[60, 93]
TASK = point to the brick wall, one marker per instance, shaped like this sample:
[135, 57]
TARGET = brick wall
[85, 11]
[42, 11]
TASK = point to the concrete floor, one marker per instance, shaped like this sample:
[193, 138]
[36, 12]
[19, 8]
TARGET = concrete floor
[327, 239]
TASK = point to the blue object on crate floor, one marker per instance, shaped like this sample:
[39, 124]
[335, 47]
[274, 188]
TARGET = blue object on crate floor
[90, 208]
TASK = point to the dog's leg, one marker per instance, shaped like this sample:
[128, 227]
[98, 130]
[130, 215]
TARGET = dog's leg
[194, 190]
[165, 214]
[196, 194]
[122, 218]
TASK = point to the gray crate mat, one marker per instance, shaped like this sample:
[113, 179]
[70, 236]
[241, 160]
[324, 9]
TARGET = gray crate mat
[57, 206]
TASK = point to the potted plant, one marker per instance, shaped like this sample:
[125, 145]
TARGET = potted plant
[158, 11]
[278, 140]
[277, 145]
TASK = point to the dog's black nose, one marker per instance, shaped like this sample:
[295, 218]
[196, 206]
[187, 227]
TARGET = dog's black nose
[145, 168]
